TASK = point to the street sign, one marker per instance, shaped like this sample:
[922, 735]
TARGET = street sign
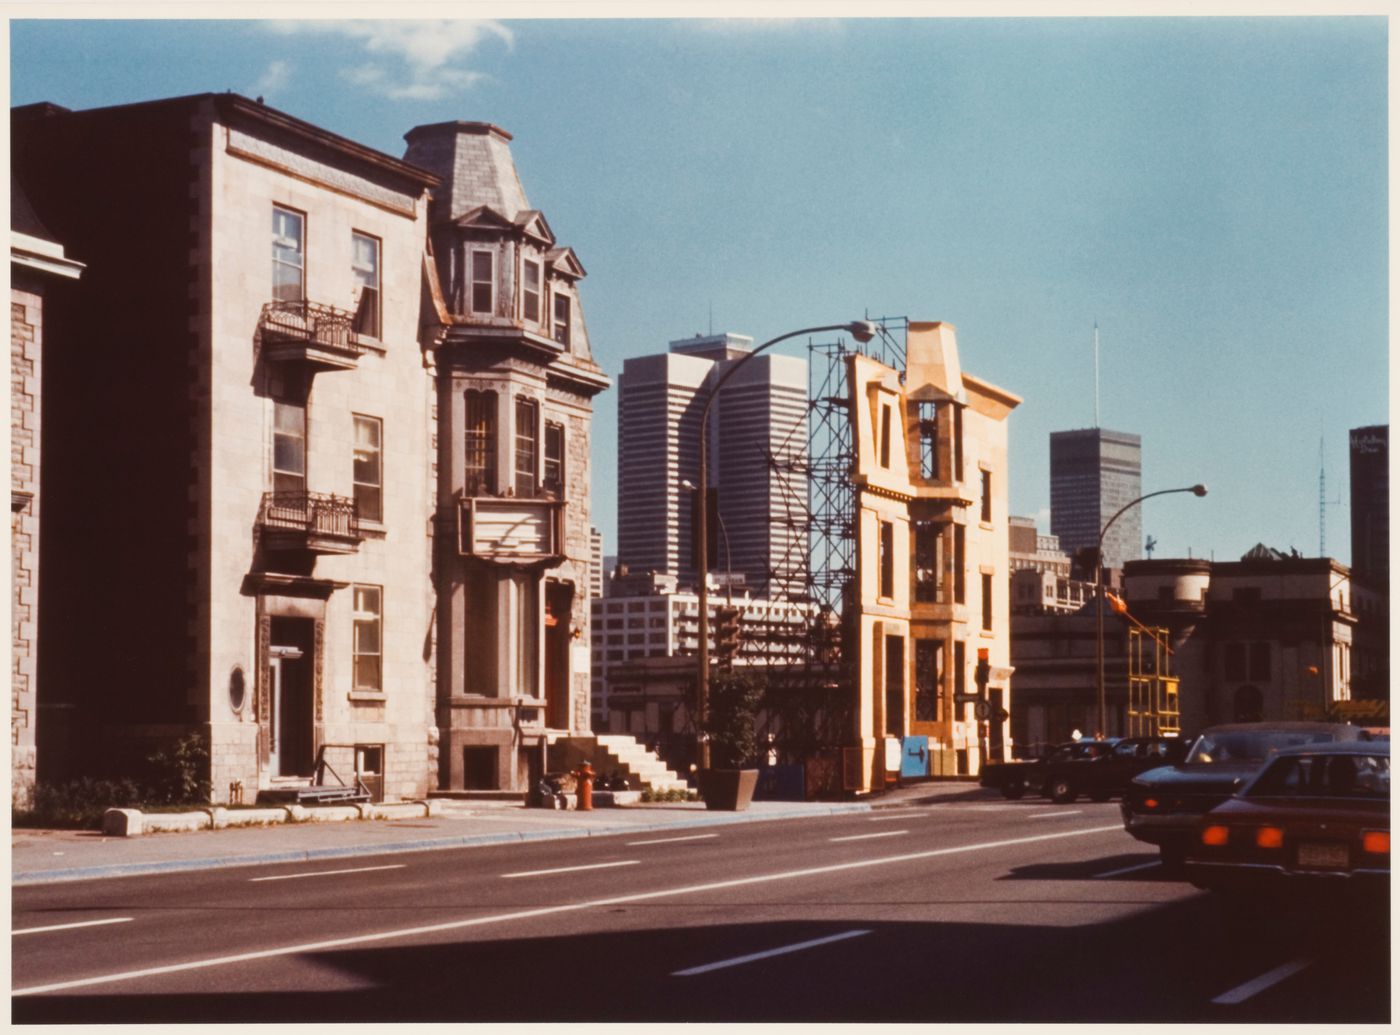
[966, 698]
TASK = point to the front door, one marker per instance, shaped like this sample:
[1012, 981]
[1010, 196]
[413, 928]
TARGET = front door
[558, 604]
[291, 736]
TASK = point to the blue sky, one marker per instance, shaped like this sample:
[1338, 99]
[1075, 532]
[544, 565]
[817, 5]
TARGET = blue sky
[1211, 191]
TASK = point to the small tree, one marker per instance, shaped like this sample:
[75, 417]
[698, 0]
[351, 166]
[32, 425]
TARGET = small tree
[729, 719]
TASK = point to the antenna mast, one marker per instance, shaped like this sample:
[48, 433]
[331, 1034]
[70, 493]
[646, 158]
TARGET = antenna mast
[1321, 497]
[1096, 373]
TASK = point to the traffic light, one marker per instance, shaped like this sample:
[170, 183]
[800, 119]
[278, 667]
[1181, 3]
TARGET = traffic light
[984, 671]
[727, 632]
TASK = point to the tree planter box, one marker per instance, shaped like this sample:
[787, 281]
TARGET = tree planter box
[729, 790]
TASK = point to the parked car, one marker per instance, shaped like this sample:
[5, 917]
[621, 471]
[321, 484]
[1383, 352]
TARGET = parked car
[1107, 774]
[1163, 806]
[1315, 816]
[1014, 778]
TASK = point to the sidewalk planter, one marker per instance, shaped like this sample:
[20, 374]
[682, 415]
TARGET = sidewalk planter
[727, 790]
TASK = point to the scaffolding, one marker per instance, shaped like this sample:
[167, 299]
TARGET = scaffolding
[1154, 707]
[809, 707]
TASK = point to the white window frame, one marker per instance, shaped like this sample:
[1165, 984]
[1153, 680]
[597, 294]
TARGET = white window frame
[368, 321]
[489, 283]
[362, 617]
[377, 452]
[526, 266]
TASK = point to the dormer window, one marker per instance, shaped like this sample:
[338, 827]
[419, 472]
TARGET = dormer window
[483, 282]
[531, 294]
[561, 318]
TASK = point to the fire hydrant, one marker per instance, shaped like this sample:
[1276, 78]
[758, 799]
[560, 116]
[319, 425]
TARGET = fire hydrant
[585, 787]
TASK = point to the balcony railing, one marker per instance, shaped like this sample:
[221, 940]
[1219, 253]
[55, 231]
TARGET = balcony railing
[309, 521]
[309, 331]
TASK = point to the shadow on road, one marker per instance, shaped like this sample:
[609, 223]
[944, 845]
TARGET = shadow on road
[1159, 965]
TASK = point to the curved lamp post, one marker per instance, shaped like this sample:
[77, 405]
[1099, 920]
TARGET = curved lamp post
[861, 331]
[1198, 490]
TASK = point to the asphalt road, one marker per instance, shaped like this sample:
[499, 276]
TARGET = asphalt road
[949, 911]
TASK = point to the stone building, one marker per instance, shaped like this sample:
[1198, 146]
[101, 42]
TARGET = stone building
[1271, 636]
[932, 565]
[236, 530]
[514, 383]
[38, 269]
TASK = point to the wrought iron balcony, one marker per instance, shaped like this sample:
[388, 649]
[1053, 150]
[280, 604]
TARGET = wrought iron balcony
[309, 521]
[309, 332]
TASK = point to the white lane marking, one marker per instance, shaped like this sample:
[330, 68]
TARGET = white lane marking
[867, 837]
[672, 840]
[740, 960]
[530, 914]
[989, 808]
[1052, 815]
[573, 869]
[1128, 869]
[326, 873]
[69, 927]
[892, 818]
[1252, 988]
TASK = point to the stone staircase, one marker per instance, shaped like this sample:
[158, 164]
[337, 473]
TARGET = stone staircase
[606, 752]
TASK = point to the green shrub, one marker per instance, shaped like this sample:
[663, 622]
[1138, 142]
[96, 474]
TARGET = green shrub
[729, 718]
[78, 804]
[180, 772]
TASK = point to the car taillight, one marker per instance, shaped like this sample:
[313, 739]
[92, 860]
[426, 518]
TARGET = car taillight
[1376, 841]
[1150, 803]
[1269, 837]
[1215, 835]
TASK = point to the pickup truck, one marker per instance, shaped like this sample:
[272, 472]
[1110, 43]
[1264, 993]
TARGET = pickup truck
[1014, 778]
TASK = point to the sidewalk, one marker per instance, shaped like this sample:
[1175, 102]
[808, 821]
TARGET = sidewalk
[45, 856]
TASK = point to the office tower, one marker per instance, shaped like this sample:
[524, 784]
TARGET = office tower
[1370, 504]
[1095, 472]
[760, 418]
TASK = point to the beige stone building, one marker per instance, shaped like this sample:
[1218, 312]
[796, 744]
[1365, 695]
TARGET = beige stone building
[239, 438]
[38, 269]
[515, 380]
[932, 568]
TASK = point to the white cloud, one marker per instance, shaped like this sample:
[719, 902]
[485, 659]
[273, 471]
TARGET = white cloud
[273, 79]
[410, 60]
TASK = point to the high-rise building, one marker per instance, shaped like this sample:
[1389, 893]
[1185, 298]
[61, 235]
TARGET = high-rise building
[1094, 473]
[1370, 504]
[758, 433]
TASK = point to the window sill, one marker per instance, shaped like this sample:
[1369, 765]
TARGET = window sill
[373, 529]
[367, 696]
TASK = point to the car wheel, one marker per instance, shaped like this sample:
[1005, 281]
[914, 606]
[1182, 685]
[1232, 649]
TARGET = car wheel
[1014, 789]
[1062, 792]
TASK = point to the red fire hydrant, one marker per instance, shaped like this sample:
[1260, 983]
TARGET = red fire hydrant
[585, 787]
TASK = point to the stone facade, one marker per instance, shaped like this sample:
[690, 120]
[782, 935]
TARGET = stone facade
[515, 379]
[37, 264]
[932, 564]
[259, 495]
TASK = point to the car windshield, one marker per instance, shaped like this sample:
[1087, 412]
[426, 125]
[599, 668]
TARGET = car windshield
[1251, 745]
[1324, 776]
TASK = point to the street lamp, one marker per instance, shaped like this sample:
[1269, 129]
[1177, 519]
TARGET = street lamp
[861, 331]
[1198, 490]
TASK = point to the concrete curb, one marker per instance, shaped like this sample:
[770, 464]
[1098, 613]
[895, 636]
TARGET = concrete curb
[420, 845]
[135, 823]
